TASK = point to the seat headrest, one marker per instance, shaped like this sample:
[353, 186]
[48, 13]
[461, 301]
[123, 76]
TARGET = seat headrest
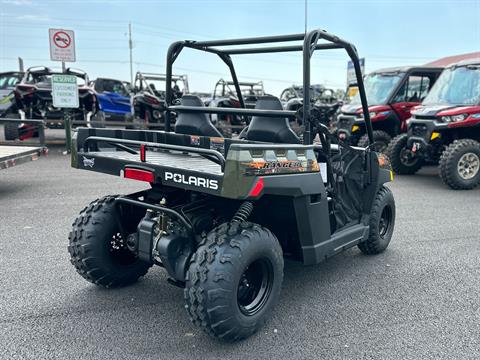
[268, 102]
[191, 100]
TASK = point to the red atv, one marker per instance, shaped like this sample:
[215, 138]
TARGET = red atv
[391, 95]
[445, 129]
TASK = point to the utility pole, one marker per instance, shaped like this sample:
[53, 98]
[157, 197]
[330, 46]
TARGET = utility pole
[130, 46]
[306, 15]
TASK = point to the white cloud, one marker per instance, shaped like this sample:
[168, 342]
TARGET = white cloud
[30, 17]
[17, 2]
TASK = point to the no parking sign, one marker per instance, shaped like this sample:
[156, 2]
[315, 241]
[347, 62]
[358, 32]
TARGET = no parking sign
[62, 45]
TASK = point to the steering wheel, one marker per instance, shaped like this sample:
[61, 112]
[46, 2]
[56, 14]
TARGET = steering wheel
[319, 116]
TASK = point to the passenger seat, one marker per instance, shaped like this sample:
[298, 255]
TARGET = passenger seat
[194, 123]
[270, 129]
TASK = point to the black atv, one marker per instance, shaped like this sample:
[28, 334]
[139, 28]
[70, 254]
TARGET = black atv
[321, 98]
[221, 214]
[148, 101]
[34, 100]
[445, 129]
[225, 96]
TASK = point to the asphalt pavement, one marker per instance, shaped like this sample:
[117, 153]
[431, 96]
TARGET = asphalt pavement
[418, 300]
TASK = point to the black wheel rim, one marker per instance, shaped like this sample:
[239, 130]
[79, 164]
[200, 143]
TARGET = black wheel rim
[408, 158]
[255, 286]
[385, 221]
[119, 251]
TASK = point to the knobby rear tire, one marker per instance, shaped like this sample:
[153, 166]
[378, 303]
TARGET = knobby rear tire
[212, 288]
[91, 250]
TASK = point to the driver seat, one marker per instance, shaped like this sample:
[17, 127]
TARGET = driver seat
[194, 123]
[270, 129]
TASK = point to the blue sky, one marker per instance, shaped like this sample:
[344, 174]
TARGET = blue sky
[387, 33]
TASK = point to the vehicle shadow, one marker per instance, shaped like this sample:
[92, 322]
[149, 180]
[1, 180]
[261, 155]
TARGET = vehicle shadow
[152, 307]
[427, 177]
[8, 189]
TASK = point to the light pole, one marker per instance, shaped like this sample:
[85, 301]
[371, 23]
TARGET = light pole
[130, 46]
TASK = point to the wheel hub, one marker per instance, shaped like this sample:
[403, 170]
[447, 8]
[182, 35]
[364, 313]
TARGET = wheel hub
[385, 221]
[255, 286]
[468, 166]
[119, 250]
[407, 157]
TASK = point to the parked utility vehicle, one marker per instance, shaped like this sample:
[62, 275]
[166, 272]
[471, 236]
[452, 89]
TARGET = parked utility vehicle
[34, 100]
[113, 101]
[225, 96]
[8, 81]
[148, 101]
[445, 127]
[320, 97]
[221, 214]
[391, 93]
[292, 97]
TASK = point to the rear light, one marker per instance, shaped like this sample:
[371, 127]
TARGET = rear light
[26, 88]
[140, 175]
[143, 153]
[257, 188]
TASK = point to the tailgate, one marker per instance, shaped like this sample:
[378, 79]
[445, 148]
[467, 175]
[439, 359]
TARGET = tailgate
[190, 168]
[14, 155]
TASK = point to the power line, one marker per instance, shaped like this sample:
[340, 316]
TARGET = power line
[164, 30]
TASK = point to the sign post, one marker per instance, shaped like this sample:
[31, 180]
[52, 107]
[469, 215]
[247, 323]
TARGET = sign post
[64, 87]
[65, 96]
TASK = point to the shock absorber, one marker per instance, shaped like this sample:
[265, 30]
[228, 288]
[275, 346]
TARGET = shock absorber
[243, 212]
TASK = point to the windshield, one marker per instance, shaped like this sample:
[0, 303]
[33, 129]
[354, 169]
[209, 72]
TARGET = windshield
[113, 86]
[378, 88]
[8, 80]
[223, 89]
[252, 91]
[456, 86]
[228, 89]
[297, 92]
[157, 85]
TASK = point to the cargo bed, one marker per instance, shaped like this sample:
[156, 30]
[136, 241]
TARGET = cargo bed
[189, 162]
[170, 159]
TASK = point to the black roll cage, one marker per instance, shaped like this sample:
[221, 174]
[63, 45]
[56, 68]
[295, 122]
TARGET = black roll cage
[226, 84]
[310, 44]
